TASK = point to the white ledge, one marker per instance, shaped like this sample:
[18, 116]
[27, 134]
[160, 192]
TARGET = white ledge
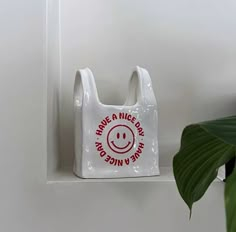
[67, 176]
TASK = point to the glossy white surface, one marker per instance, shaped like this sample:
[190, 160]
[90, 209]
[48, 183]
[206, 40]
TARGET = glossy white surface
[194, 56]
[113, 141]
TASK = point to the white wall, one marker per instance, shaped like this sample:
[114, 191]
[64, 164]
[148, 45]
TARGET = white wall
[187, 46]
[194, 60]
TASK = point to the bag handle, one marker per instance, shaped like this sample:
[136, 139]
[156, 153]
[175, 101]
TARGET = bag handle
[85, 90]
[140, 88]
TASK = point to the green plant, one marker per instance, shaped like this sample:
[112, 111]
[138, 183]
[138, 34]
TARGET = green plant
[204, 148]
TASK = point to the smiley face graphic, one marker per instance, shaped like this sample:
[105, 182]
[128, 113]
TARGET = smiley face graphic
[120, 139]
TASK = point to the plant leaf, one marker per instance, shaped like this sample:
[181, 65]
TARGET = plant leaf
[224, 129]
[204, 148]
[230, 202]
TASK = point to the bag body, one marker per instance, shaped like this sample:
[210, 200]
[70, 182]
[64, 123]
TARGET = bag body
[114, 141]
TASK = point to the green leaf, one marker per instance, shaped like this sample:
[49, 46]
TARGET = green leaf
[230, 202]
[224, 129]
[204, 148]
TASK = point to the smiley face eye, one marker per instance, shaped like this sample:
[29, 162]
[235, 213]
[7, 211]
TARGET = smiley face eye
[118, 135]
[124, 135]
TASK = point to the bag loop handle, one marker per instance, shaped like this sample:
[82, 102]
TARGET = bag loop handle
[140, 88]
[85, 90]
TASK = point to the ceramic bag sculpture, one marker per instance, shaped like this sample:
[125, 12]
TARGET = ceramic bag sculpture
[114, 141]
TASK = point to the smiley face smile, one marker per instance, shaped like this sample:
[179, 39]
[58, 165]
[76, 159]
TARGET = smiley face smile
[113, 143]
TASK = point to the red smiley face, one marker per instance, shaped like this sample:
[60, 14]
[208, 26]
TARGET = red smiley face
[120, 139]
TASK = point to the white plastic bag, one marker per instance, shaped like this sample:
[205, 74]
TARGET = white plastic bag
[114, 141]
